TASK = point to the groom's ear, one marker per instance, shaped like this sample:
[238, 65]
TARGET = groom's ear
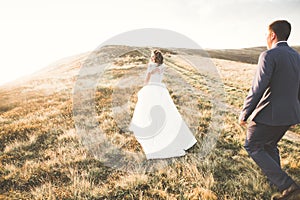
[273, 35]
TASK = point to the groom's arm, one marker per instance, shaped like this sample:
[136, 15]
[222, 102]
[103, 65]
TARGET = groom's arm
[299, 93]
[260, 82]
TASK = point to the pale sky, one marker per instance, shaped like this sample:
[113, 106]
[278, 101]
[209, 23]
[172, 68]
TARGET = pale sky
[36, 33]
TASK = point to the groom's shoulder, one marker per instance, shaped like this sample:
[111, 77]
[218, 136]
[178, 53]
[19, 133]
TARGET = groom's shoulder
[282, 49]
[271, 52]
[267, 54]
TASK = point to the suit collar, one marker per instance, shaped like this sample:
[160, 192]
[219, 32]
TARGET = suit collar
[281, 43]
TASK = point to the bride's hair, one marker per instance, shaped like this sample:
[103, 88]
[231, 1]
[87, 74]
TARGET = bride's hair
[158, 58]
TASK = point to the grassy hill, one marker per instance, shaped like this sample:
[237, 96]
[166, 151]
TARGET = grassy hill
[246, 55]
[42, 155]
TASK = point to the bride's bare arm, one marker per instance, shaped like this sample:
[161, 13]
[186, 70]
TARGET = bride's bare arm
[147, 77]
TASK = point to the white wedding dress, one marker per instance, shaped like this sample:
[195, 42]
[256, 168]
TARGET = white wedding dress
[156, 122]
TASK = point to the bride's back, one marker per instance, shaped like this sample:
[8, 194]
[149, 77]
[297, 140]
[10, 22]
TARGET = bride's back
[157, 76]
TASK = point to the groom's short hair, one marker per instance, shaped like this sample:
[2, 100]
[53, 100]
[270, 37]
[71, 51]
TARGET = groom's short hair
[281, 28]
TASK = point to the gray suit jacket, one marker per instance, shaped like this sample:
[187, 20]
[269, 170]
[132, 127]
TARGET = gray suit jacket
[274, 98]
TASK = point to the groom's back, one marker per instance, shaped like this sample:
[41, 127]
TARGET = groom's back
[286, 76]
[281, 101]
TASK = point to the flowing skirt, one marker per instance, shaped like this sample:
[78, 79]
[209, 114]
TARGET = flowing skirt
[157, 124]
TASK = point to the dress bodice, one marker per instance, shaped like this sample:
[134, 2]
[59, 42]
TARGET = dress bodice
[156, 76]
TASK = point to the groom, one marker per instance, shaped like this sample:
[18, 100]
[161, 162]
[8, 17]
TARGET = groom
[273, 105]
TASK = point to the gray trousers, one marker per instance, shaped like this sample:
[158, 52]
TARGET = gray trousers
[261, 145]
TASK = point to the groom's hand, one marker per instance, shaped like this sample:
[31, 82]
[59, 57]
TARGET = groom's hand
[242, 123]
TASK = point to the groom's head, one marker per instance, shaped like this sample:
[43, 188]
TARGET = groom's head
[281, 28]
[278, 31]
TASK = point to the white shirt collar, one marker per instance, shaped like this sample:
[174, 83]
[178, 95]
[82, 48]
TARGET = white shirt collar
[281, 42]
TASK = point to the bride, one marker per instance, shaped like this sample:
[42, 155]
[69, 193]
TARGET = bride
[156, 122]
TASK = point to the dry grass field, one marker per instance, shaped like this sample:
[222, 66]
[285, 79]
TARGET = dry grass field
[42, 155]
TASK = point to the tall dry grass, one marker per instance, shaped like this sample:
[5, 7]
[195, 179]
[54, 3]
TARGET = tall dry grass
[42, 157]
